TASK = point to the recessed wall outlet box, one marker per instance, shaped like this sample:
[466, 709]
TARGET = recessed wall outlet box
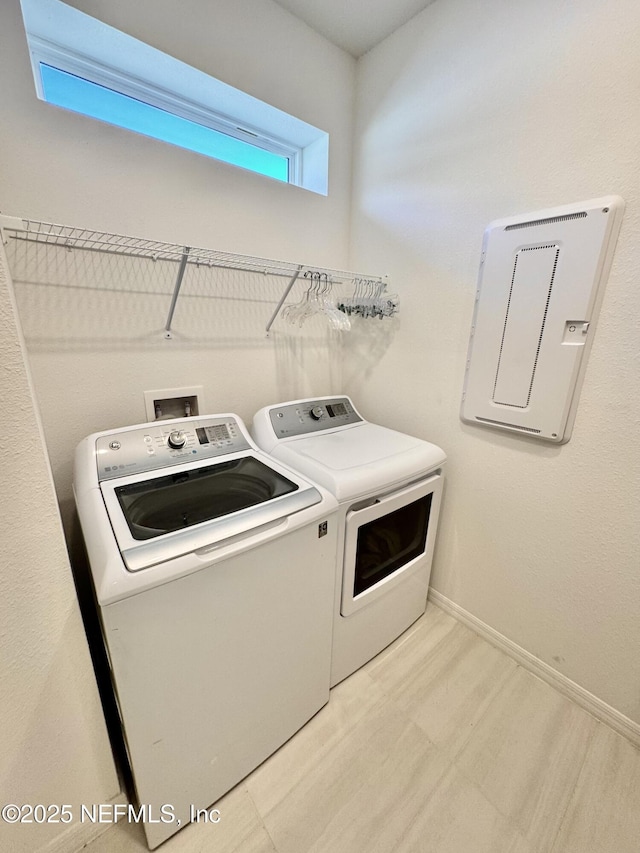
[540, 287]
[174, 403]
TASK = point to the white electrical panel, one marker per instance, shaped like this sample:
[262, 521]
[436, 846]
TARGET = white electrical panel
[540, 287]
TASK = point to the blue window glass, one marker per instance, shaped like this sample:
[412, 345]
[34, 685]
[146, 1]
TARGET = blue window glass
[81, 96]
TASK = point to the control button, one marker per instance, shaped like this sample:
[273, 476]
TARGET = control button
[148, 439]
[316, 413]
[115, 445]
[177, 439]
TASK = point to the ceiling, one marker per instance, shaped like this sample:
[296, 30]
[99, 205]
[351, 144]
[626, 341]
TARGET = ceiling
[355, 25]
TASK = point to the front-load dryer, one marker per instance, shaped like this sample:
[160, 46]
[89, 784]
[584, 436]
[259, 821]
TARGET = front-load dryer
[213, 570]
[389, 489]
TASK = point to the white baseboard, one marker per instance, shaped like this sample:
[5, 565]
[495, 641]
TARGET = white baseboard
[596, 707]
[79, 834]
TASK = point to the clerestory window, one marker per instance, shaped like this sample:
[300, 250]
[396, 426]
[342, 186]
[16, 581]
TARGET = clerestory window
[83, 65]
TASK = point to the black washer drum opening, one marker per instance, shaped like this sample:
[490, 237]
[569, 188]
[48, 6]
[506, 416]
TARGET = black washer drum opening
[176, 501]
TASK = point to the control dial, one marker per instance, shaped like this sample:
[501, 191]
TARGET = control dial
[177, 439]
[316, 413]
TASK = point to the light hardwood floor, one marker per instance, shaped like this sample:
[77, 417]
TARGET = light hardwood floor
[441, 744]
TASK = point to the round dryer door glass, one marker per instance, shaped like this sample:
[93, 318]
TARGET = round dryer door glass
[176, 501]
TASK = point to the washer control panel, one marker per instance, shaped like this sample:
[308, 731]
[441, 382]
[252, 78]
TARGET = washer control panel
[152, 446]
[312, 416]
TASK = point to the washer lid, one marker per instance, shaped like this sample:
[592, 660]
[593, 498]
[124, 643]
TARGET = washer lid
[360, 459]
[161, 515]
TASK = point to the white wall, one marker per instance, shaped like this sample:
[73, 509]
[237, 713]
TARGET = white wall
[54, 747]
[471, 112]
[93, 331]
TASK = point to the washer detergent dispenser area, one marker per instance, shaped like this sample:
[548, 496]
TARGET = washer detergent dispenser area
[389, 488]
[213, 567]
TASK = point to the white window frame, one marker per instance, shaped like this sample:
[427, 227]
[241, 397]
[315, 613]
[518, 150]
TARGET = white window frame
[58, 34]
[111, 78]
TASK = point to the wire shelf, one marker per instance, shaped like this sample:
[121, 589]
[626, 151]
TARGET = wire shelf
[74, 238]
[101, 241]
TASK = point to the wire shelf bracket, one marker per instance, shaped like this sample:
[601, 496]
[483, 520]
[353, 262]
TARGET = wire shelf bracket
[176, 290]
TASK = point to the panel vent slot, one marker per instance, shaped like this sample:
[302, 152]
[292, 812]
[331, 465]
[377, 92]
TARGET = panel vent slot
[548, 221]
[505, 424]
[521, 335]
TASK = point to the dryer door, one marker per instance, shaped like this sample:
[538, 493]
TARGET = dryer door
[388, 540]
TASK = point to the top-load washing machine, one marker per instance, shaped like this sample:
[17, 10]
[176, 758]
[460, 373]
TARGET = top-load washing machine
[389, 489]
[213, 570]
